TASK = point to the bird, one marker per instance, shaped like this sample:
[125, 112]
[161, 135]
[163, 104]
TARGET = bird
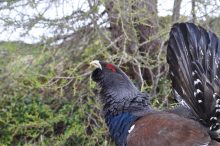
[193, 55]
[131, 119]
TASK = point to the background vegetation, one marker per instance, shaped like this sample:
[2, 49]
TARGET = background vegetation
[46, 93]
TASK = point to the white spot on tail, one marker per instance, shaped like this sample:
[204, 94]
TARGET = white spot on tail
[197, 92]
[201, 52]
[214, 95]
[213, 126]
[216, 63]
[213, 118]
[132, 127]
[199, 101]
[205, 144]
[197, 81]
[217, 105]
[193, 73]
[209, 52]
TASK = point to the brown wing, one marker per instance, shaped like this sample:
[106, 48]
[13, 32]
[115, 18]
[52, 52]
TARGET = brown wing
[167, 129]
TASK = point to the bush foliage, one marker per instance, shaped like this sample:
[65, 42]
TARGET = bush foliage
[48, 97]
[47, 101]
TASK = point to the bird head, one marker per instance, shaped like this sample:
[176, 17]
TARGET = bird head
[114, 83]
[121, 100]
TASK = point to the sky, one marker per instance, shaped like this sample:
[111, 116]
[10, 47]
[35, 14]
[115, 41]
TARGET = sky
[164, 8]
[56, 11]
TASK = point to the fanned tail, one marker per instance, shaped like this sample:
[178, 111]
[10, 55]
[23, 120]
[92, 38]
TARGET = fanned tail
[194, 58]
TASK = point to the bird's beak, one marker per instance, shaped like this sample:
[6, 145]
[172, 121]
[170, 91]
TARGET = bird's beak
[96, 63]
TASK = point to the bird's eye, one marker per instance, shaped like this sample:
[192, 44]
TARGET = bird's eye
[111, 67]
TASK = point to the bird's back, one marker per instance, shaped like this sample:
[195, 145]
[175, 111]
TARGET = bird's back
[167, 129]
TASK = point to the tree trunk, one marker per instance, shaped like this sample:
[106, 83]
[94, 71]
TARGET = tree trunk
[137, 22]
[176, 10]
[193, 11]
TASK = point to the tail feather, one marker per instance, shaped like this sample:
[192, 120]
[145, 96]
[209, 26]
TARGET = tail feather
[194, 58]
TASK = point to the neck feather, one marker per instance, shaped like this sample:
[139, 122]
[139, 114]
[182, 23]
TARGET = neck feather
[133, 104]
[119, 126]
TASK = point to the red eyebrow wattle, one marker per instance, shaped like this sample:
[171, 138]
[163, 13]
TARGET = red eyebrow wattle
[111, 67]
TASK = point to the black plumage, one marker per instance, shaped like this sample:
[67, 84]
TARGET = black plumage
[131, 119]
[194, 58]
